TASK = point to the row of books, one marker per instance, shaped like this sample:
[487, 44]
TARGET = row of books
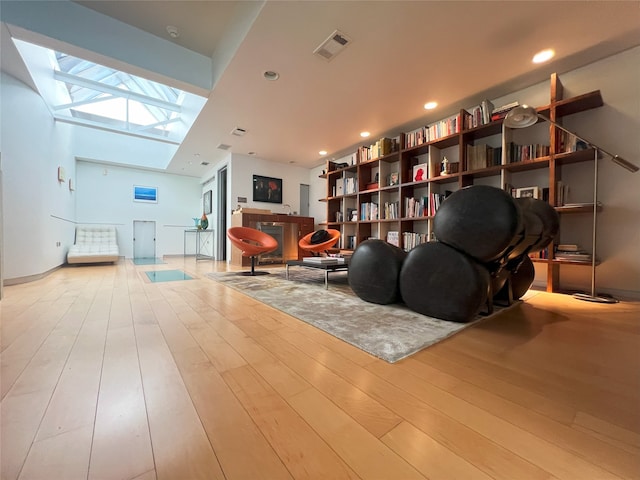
[522, 153]
[380, 148]
[347, 185]
[568, 142]
[483, 156]
[479, 115]
[436, 201]
[441, 129]
[416, 207]
[391, 210]
[411, 239]
[368, 211]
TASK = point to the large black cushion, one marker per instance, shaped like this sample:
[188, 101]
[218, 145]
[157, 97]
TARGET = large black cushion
[481, 221]
[319, 236]
[373, 271]
[441, 282]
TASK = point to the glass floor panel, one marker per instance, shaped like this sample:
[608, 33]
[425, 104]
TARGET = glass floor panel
[147, 261]
[168, 276]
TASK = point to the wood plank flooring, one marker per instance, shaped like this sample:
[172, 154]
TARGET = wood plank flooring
[106, 375]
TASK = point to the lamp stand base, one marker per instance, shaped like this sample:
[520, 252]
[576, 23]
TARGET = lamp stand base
[594, 298]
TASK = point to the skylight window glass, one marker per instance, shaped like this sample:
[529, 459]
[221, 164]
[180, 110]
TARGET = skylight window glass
[120, 100]
[80, 92]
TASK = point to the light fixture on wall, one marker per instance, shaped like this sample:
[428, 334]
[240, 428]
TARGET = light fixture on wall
[524, 116]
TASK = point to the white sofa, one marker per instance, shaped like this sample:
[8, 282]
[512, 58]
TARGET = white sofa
[94, 244]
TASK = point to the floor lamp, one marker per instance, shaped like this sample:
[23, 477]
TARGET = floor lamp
[524, 116]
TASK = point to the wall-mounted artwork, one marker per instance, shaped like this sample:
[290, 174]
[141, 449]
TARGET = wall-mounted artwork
[267, 189]
[206, 202]
[145, 194]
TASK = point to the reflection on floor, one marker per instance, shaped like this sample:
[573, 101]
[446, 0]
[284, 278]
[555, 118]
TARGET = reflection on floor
[168, 276]
[147, 261]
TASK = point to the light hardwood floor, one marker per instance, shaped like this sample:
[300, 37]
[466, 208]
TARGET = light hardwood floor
[108, 376]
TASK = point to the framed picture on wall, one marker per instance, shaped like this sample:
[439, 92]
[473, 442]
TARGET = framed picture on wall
[206, 202]
[267, 189]
[145, 194]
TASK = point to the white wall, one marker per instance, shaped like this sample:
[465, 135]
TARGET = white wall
[105, 196]
[38, 210]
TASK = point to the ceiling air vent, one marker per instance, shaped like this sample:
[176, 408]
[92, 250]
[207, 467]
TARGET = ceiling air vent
[238, 132]
[224, 146]
[333, 45]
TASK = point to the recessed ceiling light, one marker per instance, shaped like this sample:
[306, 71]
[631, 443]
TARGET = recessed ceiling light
[271, 75]
[173, 31]
[430, 105]
[322, 152]
[365, 134]
[543, 56]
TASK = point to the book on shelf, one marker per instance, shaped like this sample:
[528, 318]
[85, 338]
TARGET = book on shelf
[571, 252]
[562, 193]
[420, 172]
[501, 112]
[393, 237]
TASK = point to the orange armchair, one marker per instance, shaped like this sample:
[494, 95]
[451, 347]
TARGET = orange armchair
[252, 243]
[315, 249]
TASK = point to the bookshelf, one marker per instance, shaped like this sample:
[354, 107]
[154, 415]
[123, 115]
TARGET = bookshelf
[475, 153]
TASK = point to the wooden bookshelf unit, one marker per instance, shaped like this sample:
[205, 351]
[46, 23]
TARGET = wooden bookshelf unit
[362, 200]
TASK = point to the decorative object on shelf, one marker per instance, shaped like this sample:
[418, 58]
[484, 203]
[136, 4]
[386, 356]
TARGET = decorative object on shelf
[445, 166]
[207, 202]
[524, 116]
[533, 192]
[196, 222]
[204, 222]
[267, 189]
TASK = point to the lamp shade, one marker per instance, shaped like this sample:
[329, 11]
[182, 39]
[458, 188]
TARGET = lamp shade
[521, 117]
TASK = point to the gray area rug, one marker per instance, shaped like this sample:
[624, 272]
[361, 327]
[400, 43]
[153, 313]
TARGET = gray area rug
[389, 332]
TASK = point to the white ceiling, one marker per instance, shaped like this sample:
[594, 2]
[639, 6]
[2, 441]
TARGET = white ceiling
[402, 54]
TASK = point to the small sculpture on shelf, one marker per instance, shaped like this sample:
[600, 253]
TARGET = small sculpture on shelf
[445, 166]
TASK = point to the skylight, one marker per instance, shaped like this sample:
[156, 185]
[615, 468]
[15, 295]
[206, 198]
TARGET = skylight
[83, 92]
